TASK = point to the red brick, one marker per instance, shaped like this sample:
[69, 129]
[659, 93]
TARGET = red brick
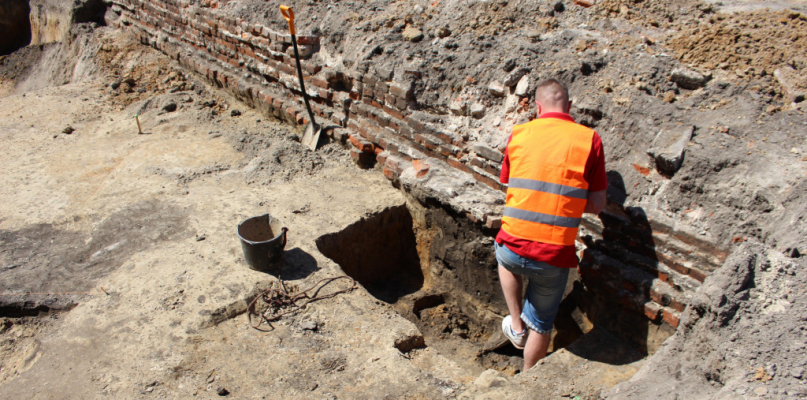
[312, 68]
[326, 94]
[458, 165]
[319, 82]
[652, 310]
[671, 318]
[400, 91]
[389, 173]
[394, 113]
[486, 180]
[381, 157]
[361, 144]
[697, 274]
[336, 119]
[421, 168]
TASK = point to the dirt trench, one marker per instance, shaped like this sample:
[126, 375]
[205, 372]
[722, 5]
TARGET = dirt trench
[437, 269]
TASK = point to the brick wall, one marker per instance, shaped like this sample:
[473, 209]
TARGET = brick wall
[257, 65]
[640, 265]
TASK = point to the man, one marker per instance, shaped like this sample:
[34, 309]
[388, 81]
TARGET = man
[555, 171]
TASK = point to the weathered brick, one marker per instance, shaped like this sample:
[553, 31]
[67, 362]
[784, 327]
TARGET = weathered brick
[326, 94]
[449, 150]
[477, 162]
[402, 90]
[421, 168]
[488, 153]
[652, 310]
[458, 165]
[363, 145]
[319, 82]
[697, 274]
[493, 183]
[492, 222]
[429, 141]
[671, 317]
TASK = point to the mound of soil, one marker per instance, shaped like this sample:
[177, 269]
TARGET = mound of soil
[754, 43]
[17, 65]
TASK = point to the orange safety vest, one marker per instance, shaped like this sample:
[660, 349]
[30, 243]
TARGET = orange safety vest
[547, 190]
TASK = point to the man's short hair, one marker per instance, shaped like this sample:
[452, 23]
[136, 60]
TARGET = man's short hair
[552, 92]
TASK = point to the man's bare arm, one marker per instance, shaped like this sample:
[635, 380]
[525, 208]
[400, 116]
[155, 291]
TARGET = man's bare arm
[596, 202]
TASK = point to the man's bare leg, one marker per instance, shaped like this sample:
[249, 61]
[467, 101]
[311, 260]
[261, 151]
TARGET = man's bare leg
[512, 288]
[535, 349]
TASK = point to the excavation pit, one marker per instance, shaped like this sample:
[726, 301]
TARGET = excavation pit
[379, 252]
[438, 270]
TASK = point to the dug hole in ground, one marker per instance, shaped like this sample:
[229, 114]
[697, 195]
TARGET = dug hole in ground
[135, 141]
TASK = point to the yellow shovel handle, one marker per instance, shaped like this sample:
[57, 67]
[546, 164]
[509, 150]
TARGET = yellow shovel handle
[288, 14]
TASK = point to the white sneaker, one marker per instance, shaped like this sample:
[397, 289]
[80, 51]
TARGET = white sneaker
[517, 339]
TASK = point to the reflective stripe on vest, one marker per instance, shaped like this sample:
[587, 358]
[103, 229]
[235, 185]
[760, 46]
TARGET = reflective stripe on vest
[547, 190]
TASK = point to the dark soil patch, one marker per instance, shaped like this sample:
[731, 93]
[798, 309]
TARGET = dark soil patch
[52, 262]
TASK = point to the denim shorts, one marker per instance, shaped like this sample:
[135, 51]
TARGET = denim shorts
[544, 290]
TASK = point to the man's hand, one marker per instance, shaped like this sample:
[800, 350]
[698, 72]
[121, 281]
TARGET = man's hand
[596, 202]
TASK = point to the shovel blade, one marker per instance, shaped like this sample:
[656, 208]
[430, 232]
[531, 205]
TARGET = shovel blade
[311, 136]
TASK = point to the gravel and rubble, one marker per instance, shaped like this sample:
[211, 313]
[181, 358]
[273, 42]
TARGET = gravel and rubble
[743, 335]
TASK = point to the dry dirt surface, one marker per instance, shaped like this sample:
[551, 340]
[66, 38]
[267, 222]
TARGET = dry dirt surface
[121, 274]
[135, 234]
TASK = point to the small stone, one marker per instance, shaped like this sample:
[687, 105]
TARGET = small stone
[490, 379]
[221, 391]
[669, 97]
[795, 150]
[668, 148]
[523, 86]
[761, 391]
[443, 32]
[235, 113]
[496, 89]
[458, 106]
[412, 34]
[309, 326]
[512, 78]
[509, 65]
[68, 130]
[477, 110]
[687, 78]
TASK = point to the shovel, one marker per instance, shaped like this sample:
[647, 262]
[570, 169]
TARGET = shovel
[312, 130]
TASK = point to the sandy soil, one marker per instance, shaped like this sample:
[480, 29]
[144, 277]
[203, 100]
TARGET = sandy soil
[146, 218]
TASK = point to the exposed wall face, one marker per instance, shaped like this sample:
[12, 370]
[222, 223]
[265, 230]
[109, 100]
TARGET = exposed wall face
[649, 269]
[50, 21]
[15, 28]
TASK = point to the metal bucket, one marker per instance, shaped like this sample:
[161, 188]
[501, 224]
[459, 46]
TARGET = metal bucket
[262, 240]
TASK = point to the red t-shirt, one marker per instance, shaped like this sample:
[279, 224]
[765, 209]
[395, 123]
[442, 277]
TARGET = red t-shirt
[555, 254]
